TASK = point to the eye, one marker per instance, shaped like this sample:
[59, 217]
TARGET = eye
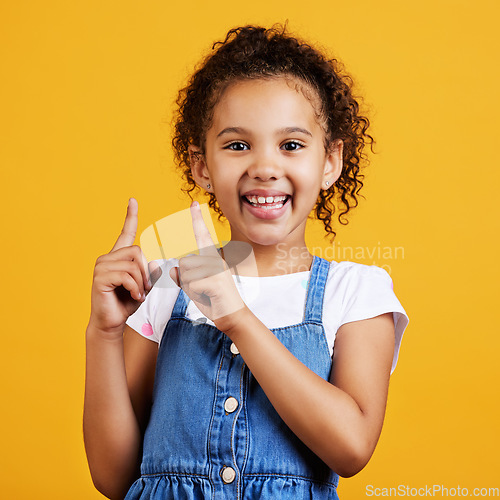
[292, 146]
[236, 146]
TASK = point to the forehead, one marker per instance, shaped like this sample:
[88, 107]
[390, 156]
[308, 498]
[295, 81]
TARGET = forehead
[268, 102]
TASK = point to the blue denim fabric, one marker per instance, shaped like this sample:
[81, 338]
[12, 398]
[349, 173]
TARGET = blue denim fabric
[191, 437]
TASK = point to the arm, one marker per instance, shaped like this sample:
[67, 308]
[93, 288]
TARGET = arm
[118, 391]
[344, 417]
[120, 364]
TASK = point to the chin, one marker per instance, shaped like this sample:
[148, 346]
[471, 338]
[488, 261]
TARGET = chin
[265, 238]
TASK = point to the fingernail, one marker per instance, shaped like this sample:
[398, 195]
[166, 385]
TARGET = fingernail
[195, 204]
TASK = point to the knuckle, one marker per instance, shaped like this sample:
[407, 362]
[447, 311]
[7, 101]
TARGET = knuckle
[137, 252]
[98, 267]
[127, 267]
[136, 265]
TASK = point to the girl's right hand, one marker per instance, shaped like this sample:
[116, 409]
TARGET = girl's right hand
[122, 278]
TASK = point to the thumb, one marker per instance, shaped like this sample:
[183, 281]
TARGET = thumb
[175, 275]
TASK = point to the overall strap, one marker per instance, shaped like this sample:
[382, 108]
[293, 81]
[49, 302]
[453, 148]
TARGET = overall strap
[316, 290]
[180, 306]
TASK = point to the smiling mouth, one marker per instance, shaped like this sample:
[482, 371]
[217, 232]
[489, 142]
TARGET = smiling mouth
[267, 206]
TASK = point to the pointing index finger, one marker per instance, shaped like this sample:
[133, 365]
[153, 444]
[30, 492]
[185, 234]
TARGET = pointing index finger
[201, 233]
[129, 230]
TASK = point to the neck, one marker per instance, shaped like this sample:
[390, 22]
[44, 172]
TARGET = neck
[248, 259]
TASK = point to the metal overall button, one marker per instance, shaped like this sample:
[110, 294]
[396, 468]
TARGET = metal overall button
[230, 404]
[228, 474]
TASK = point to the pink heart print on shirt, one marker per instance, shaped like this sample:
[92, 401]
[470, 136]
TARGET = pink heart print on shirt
[147, 330]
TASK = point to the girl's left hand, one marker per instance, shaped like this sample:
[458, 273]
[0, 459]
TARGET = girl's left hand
[207, 279]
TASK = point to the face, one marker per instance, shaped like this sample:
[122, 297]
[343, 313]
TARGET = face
[265, 141]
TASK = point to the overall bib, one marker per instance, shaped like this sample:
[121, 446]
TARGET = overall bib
[213, 433]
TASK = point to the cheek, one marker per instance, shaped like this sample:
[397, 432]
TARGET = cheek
[308, 185]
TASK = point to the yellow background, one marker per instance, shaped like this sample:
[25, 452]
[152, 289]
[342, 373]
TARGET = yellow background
[87, 91]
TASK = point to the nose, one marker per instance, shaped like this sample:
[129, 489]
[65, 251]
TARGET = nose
[265, 165]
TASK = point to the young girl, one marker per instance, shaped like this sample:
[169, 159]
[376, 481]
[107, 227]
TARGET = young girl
[270, 382]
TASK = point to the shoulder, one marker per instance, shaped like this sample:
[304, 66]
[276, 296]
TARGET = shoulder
[357, 292]
[347, 273]
[361, 291]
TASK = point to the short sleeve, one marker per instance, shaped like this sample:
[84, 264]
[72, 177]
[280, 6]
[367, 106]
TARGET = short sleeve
[141, 321]
[144, 320]
[370, 294]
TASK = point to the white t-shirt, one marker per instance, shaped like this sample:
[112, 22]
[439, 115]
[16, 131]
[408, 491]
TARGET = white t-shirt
[353, 292]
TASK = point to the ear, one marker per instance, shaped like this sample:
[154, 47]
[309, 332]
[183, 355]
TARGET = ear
[333, 164]
[199, 168]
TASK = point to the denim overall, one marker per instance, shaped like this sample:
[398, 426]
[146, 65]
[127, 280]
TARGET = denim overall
[213, 433]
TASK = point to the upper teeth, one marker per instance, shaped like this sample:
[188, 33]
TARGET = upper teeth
[268, 199]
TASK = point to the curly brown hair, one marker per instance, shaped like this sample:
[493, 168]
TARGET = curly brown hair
[251, 52]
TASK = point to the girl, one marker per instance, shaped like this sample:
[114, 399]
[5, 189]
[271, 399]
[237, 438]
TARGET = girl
[268, 383]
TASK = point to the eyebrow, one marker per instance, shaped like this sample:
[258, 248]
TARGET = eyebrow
[286, 130]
